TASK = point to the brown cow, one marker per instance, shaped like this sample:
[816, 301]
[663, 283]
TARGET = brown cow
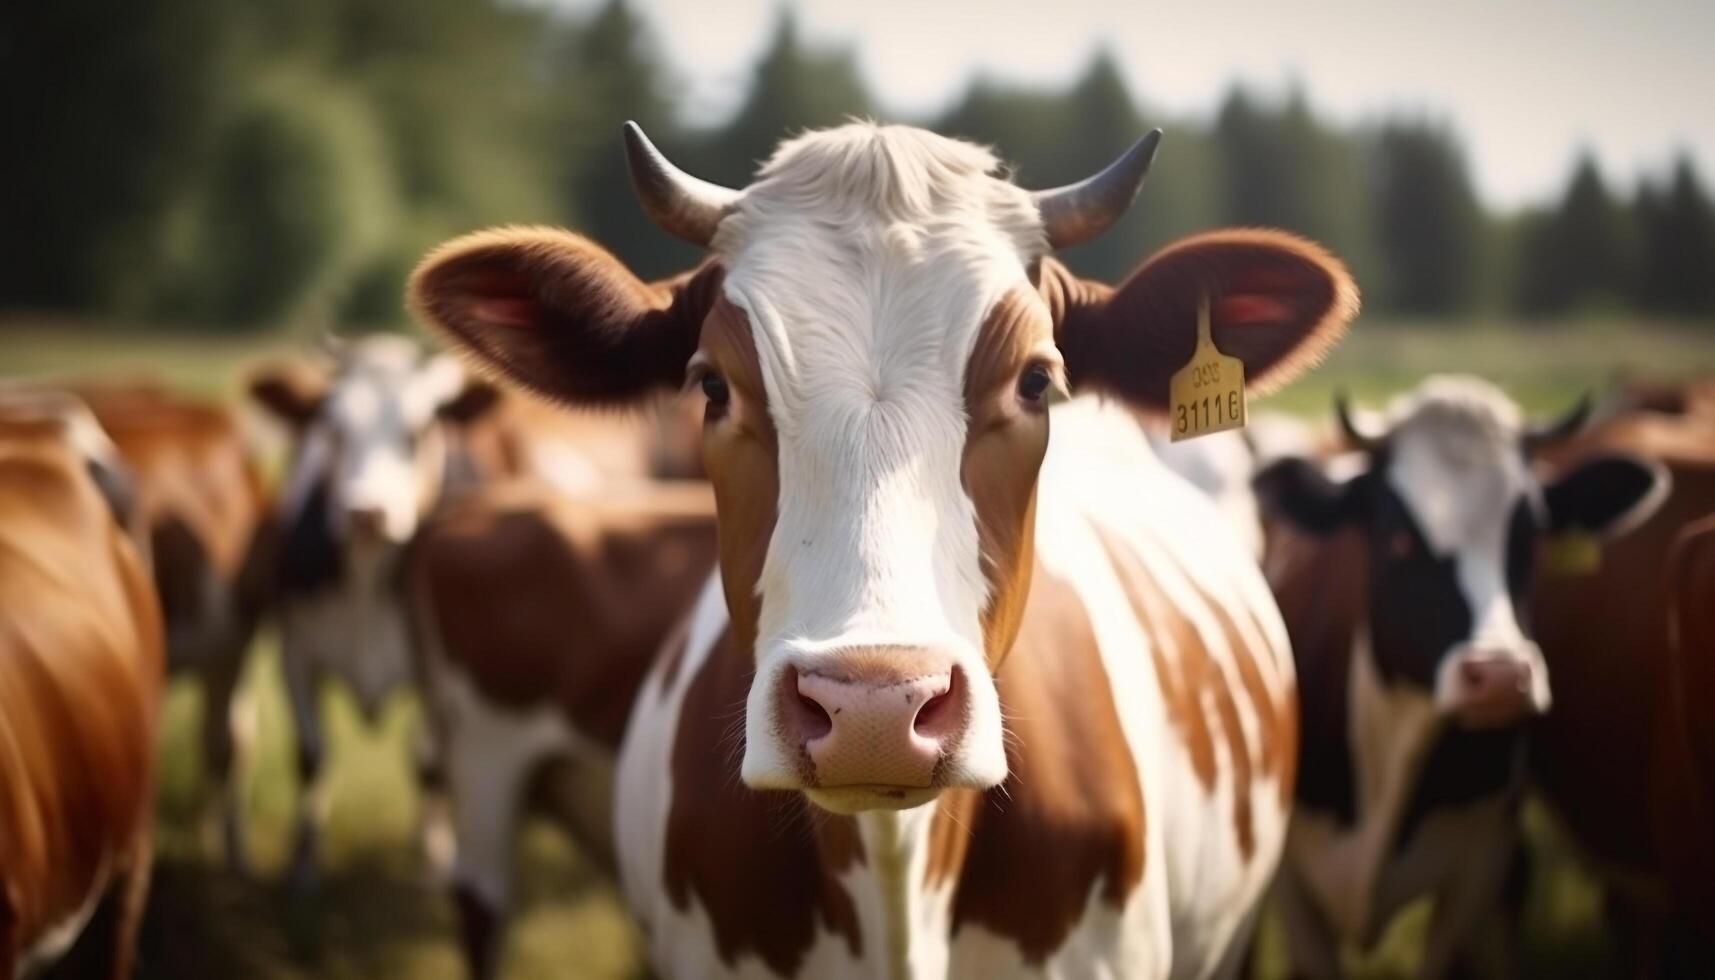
[80, 676]
[538, 617]
[1624, 759]
[201, 507]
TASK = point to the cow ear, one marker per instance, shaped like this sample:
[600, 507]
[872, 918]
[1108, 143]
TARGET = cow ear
[290, 391]
[560, 315]
[472, 403]
[1607, 496]
[1299, 490]
[1277, 302]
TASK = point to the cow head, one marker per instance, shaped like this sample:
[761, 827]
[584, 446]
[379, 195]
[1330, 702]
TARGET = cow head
[878, 332]
[370, 433]
[1451, 512]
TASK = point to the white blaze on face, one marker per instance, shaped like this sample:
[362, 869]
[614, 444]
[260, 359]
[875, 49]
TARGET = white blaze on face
[377, 443]
[1455, 462]
[866, 260]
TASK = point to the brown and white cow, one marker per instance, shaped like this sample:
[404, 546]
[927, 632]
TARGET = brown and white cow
[539, 615]
[961, 699]
[80, 677]
[1626, 761]
[201, 506]
[1406, 597]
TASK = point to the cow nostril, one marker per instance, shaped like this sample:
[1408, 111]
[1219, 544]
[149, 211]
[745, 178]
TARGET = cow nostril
[810, 718]
[939, 715]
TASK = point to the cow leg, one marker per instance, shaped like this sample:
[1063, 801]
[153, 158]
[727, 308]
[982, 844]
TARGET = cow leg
[1240, 957]
[1471, 895]
[488, 789]
[439, 840]
[303, 687]
[130, 895]
[220, 735]
[1311, 945]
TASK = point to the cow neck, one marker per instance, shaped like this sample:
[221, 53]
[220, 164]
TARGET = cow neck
[897, 843]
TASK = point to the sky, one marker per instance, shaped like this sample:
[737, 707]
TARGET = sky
[1526, 83]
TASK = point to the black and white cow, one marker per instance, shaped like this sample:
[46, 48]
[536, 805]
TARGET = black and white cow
[1404, 585]
[371, 457]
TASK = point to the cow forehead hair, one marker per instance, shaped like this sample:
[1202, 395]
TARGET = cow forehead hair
[1456, 459]
[1465, 420]
[898, 181]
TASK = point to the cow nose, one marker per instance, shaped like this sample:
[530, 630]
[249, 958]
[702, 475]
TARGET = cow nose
[886, 720]
[367, 521]
[1496, 690]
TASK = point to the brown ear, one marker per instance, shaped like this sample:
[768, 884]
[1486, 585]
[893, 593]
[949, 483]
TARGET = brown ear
[1277, 302]
[474, 401]
[558, 314]
[291, 391]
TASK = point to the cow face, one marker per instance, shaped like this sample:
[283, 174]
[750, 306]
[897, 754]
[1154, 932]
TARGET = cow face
[370, 442]
[878, 336]
[1452, 515]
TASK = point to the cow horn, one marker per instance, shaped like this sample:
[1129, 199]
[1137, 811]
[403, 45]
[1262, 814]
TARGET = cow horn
[679, 203]
[1079, 212]
[1349, 427]
[1559, 429]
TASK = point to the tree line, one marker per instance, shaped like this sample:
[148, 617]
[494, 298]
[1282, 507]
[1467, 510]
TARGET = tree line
[243, 163]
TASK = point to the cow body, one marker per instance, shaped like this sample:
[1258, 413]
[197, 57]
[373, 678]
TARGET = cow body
[981, 712]
[202, 509]
[1623, 762]
[1404, 586]
[80, 674]
[1149, 700]
[538, 616]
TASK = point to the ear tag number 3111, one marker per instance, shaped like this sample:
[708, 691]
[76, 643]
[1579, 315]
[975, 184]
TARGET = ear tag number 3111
[1208, 394]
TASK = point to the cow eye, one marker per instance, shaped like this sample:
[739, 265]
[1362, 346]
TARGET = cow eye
[715, 390]
[1034, 382]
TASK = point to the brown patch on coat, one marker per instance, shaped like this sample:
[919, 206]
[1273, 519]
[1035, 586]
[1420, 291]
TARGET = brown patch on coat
[1004, 445]
[1182, 667]
[539, 598]
[1029, 854]
[81, 666]
[741, 453]
[200, 502]
[761, 865]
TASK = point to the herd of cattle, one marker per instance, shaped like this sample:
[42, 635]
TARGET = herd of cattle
[851, 671]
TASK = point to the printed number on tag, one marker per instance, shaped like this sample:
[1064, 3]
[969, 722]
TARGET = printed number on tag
[1208, 394]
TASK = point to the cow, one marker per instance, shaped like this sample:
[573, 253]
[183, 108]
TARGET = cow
[81, 666]
[201, 504]
[1404, 584]
[538, 615]
[1623, 762]
[959, 699]
[370, 459]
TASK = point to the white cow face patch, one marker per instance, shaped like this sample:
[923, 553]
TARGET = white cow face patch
[374, 445]
[863, 312]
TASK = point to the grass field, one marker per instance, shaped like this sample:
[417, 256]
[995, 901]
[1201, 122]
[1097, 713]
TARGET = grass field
[379, 915]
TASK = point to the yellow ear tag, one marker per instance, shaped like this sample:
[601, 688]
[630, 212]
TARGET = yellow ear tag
[1207, 394]
[1573, 553]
